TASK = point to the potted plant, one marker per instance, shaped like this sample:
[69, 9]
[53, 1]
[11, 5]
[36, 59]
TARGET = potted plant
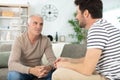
[80, 33]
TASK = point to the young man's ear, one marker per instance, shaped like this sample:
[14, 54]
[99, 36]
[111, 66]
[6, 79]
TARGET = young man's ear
[86, 13]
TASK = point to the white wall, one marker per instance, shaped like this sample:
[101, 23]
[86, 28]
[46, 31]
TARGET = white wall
[66, 9]
[112, 11]
[112, 16]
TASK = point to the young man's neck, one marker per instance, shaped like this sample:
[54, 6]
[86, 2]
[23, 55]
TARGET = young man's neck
[91, 22]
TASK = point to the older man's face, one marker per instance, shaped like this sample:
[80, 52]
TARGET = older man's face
[35, 25]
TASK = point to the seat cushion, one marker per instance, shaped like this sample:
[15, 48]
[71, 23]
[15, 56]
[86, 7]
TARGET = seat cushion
[4, 59]
[74, 50]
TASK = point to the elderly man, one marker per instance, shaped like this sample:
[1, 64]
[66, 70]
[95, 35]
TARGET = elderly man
[27, 51]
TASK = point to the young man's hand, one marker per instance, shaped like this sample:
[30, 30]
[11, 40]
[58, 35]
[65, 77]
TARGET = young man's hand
[61, 59]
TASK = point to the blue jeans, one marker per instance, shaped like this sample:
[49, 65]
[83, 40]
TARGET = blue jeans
[13, 75]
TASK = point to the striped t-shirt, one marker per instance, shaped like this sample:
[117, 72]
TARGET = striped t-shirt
[106, 37]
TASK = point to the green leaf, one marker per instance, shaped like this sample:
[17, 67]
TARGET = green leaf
[79, 32]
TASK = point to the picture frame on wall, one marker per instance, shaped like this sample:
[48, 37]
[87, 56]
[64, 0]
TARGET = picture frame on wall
[62, 38]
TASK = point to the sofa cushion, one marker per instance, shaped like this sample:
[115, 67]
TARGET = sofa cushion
[4, 59]
[74, 50]
[5, 47]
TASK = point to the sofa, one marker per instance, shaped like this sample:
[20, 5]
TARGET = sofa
[69, 50]
[4, 55]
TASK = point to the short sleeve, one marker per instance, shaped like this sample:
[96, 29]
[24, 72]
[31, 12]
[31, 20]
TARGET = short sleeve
[97, 37]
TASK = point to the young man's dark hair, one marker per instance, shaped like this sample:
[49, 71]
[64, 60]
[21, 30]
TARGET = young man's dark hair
[94, 7]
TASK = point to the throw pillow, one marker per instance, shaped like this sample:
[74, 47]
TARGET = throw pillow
[4, 59]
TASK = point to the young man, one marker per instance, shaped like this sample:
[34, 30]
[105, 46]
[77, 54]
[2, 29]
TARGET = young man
[27, 52]
[102, 59]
